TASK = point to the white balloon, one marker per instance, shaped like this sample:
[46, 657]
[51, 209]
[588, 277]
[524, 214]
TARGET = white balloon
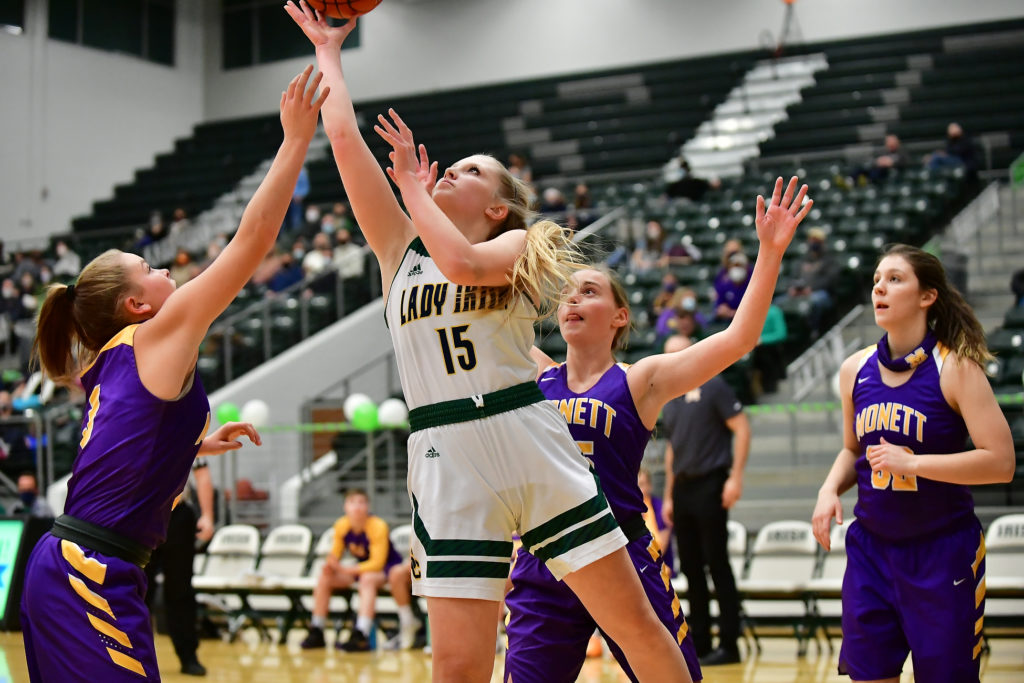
[255, 411]
[392, 412]
[835, 386]
[352, 402]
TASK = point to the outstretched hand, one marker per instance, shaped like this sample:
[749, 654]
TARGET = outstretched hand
[226, 438]
[777, 223]
[316, 28]
[408, 162]
[299, 111]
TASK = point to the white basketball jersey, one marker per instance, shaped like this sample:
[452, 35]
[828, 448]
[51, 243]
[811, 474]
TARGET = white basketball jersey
[451, 341]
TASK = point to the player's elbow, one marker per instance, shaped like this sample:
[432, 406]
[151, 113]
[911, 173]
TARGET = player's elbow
[1008, 467]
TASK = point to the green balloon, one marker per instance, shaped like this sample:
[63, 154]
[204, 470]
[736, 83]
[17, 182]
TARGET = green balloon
[364, 417]
[228, 412]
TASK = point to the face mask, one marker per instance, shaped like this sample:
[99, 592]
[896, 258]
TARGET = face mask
[670, 287]
[297, 254]
[816, 247]
[689, 304]
[10, 293]
[61, 250]
[737, 274]
[327, 225]
[312, 214]
[27, 498]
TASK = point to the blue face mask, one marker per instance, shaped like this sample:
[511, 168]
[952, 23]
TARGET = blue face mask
[27, 498]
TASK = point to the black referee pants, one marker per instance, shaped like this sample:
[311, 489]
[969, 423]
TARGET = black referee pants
[702, 540]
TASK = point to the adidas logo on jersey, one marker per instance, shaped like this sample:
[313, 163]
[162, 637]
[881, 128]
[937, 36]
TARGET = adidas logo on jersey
[415, 270]
[432, 453]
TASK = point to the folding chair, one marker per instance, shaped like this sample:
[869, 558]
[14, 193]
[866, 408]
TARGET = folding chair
[774, 589]
[1004, 572]
[826, 588]
[230, 561]
[283, 556]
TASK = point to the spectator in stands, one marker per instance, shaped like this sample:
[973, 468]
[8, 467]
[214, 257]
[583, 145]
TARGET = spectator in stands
[581, 198]
[365, 537]
[958, 152]
[890, 157]
[348, 257]
[553, 201]
[15, 452]
[682, 252]
[650, 251]
[1017, 287]
[342, 217]
[663, 299]
[289, 271]
[29, 500]
[769, 358]
[68, 263]
[731, 280]
[319, 257]
[680, 316]
[296, 210]
[155, 233]
[519, 167]
[182, 269]
[28, 285]
[817, 275]
[313, 218]
[681, 182]
[179, 221]
[708, 443]
[24, 263]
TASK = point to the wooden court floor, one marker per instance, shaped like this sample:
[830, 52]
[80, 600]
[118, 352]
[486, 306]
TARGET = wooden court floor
[250, 661]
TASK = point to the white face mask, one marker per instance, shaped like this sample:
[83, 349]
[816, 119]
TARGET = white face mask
[312, 214]
[737, 274]
[689, 304]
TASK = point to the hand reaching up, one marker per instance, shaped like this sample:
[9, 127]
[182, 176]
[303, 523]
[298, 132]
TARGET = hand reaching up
[407, 161]
[776, 223]
[299, 111]
[316, 28]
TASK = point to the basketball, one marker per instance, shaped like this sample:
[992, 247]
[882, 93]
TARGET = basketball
[343, 9]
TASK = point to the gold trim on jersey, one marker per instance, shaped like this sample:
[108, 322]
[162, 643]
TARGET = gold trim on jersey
[124, 337]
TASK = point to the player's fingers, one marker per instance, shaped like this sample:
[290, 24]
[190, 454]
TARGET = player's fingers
[310, 92]
[323, 98]
[787, 198]
[804, 211]
[760, 208]
[798, 200]
[777, 192]
[402, 127]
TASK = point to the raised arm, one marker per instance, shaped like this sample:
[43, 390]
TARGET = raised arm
[387, 229]
[656, 380]
[991, 461]
[486, 263]
[842, 476]
[166, 345]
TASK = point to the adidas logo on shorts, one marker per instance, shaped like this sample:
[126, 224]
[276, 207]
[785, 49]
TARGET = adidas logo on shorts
[415, 270]
[432, 453]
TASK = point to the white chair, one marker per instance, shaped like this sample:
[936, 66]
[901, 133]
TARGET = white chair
[230, 560]
[781, 565]
[1004, 570]
[283, 556]
[231, 554]
[307, 582]
[737, 547]
[827, 587]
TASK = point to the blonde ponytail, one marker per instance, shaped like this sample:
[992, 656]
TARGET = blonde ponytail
[545, 265]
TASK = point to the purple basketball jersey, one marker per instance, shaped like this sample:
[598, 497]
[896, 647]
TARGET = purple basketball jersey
[914, 415]
[604, 422]
[136, 450]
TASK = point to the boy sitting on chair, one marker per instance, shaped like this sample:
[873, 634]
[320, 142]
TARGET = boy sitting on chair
[365, 537]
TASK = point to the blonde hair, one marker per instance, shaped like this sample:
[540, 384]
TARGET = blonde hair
[549, 258]
[75, 321]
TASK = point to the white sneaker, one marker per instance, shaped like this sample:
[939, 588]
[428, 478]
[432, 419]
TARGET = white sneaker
[407, 634]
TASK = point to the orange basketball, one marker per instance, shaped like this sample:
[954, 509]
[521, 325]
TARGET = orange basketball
[343, 9]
